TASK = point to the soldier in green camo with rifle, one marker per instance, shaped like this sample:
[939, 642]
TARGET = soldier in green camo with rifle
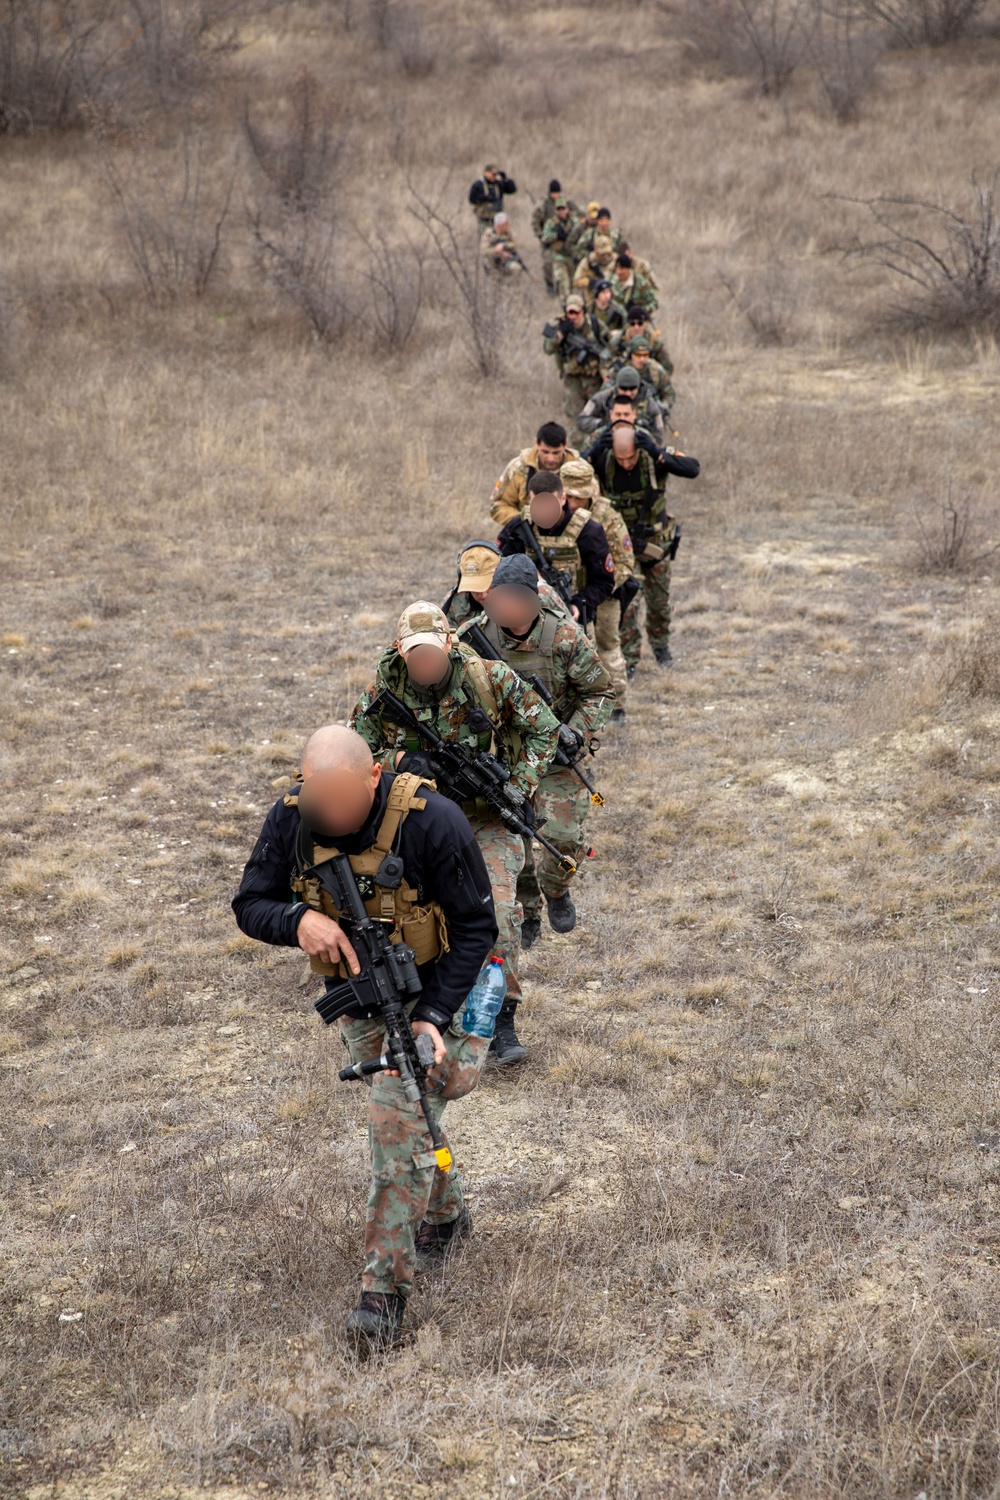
[576, 343]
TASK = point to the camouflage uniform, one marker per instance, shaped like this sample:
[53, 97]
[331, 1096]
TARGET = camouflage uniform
[463, 607]
[566, 661]
[525, 740]
[653, 574]
[407, 1185]
[619, 341]
[580, 482]
[581, 378]
[555, 239]
[649, 412]
[499, 252]
[640, 290]
[510, 493]
[595, 266]
[611, 320]
[584, 242]
[543, 215]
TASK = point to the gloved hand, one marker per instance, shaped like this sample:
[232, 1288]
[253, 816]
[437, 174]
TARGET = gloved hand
[570, 740]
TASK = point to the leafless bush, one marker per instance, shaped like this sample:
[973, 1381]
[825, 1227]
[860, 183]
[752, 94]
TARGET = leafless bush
[932, 23]
[395, 276]
[482, 298]
[950, 536]
[296, 226]
[762, 39]
[53, 57]
[171, 44]
[170, 213]
[845, 48]
[768, 299]
[399, 29]
[950, 259]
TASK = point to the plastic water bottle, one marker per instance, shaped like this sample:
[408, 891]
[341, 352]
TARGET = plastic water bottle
[485, 999]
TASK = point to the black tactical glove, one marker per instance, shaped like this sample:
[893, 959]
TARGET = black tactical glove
[570, 740]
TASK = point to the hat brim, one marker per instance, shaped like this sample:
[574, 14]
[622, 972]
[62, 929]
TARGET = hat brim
[474, 583]
[422, 638]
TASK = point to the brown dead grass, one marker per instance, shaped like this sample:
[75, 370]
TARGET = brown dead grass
[736, 1217]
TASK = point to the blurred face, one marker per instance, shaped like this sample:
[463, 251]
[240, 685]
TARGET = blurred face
[551, 459]
[546, 509]
[513, 607]
[603, 257]
[427, 665]
[603, 299]
[623, 272]
[640, 361]
[575, 315]
[635, 327]
[603, 223]
[490, 176]
[562, 213]
[337, 802]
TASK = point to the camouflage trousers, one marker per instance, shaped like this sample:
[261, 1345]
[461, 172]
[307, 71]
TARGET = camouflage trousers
[579, 389]
[407, 1184]
[562, 275]
[548, 271]
[655, 580]
[503, 854]
[563, 801]
[607, 628]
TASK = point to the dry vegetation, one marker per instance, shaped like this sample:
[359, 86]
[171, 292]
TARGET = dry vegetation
[737, 1216]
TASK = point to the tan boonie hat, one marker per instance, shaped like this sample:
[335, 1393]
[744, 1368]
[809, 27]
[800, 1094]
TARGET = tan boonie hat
[578, 478]
[574, 300]
[478, 566]
[422, 624]
[592, 208]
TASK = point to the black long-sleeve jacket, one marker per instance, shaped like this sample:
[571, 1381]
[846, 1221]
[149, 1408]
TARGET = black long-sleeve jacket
[666, 461]
[595, 555]
[482, 192]
[441, 859]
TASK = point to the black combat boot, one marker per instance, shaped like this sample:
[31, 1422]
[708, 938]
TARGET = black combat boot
[663, 657]
[562, 912]
[531, 931]
[435, 1242]
[376, 1319]
[618, 716]
[505, 1047]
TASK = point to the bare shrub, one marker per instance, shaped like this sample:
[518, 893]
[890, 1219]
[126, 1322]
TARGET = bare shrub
[761, 39]
[170, 213]
[931, 23]
[395, 276]
[950, 536]
[974, 668]
[482, 298]
[845, 48]
[768, 300]
[399, 29]
[171, 45]
[951, 260]
[52, 59]
[296, 226]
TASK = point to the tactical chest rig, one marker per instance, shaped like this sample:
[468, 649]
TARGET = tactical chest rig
[379, 874]
[563, 551]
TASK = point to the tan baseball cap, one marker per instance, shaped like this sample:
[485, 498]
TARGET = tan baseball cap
[478, 565]
[578, 478]
[422, 624]
[574, 300]
[592, 208]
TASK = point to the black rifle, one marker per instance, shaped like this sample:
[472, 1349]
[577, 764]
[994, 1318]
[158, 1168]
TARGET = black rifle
[556, 578]
[575, 343]
[466, 777]
[387, 983]
[641, 529]
[481, 644]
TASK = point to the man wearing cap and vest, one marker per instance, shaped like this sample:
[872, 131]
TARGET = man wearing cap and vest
[548, 453]
[606, 312]
[555, 240]
[536, 640]
[600, 227]
[595, 266]
[574, 544]
[480, 706]
[443, 909]
[542, 213]
[488, 192]
[628, 385]
[640, 326]
[651, 372]
[632, 471]
[497, 248]
[581, 370]
[586, 224]
[583, 493]
[476, 565]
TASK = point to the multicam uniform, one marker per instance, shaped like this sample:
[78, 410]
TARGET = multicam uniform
[556, 237]
[510, 493]
[580, 482]
[522, 731]
[559, 652]
[499, 252]
[582, 376]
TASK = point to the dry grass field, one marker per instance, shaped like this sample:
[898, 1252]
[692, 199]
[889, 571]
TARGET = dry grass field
[737, 1216]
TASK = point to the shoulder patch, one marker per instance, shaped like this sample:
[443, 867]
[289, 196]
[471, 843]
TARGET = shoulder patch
[609, 564]
[627, 542]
